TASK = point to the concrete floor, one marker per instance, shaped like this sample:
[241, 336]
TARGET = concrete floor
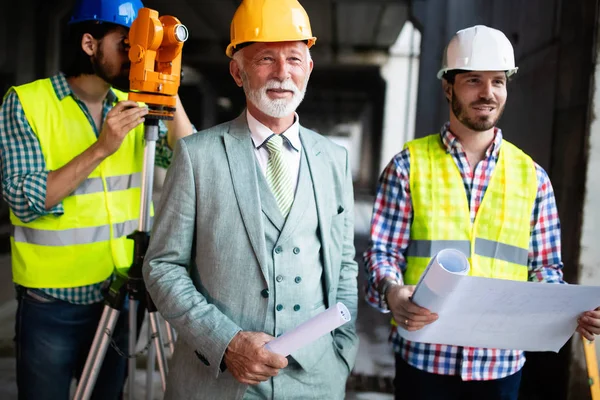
[373, 371]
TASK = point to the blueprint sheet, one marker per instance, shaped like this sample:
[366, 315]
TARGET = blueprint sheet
[495, 313]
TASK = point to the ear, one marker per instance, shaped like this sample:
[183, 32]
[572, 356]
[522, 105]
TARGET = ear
[88, 44]
[447, 89]
[234, 70]
[311, 64]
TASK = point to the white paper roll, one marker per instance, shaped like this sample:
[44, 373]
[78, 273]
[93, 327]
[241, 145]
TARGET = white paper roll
[454, 261]
[309, 331]
[434, 284]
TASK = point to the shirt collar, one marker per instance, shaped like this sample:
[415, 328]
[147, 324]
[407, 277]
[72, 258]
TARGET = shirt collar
[63, 89]
[261, 134]
[452, 143]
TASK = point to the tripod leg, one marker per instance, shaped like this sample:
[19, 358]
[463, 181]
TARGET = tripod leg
[170, 337]
[160, 351]
[132, 343]
[150, 363]
[95, 358]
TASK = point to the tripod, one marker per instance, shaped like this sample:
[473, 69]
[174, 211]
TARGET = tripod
[130, 283]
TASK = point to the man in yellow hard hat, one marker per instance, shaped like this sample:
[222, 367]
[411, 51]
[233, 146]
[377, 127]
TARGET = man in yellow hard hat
[261, 208]
[469, 189]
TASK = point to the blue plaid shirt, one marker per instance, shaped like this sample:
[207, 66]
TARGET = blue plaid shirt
[24, 172]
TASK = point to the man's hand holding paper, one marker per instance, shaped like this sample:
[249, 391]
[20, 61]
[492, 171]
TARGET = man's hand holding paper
[406, 313]
[249, 361]
[589, 324]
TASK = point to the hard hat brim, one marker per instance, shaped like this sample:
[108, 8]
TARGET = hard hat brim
[441, 72]
[310, 41]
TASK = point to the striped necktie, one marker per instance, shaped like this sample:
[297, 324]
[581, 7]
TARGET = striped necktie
[279, 176]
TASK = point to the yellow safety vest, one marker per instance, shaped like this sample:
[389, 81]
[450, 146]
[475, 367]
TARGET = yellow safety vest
[497, 242]
[86, 243]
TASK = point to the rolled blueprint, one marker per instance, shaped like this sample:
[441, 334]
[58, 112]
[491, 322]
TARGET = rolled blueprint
[435, 284]
[309, 331]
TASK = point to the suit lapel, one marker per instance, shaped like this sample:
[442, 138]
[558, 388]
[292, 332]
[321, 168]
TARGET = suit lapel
[317, 164]
[241, 158]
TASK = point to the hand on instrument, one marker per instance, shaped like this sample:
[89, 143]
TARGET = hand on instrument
[407, 314]
[123, 117]
[249, 362]
[589, 324]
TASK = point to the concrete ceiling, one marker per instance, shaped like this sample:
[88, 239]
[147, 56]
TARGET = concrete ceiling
[341, 26]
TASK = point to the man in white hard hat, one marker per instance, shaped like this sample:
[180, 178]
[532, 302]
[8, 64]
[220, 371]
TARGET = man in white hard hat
[257, 235]
[465, 188]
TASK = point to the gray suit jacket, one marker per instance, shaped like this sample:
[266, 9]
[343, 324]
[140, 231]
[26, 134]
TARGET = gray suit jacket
[205, 267]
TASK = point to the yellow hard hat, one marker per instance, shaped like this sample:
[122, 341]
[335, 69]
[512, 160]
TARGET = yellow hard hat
[269, 21]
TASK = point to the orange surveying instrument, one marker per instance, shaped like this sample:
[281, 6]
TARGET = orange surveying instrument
[155, 55]
[155, 74]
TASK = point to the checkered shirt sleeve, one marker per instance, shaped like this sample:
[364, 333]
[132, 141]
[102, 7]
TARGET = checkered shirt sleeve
[23, 169]
[390, 228]
[545, 264]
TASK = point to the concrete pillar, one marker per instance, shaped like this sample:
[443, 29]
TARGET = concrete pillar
[589, 256]
[401, 73]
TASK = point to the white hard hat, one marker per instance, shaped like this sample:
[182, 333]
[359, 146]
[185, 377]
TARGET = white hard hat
[479, 48]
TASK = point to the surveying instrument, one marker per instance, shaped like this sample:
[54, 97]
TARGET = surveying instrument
[155, 55]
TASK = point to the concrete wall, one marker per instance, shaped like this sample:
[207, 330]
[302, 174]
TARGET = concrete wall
[547, 115]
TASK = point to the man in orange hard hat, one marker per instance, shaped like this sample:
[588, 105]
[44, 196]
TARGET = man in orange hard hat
[262, 209]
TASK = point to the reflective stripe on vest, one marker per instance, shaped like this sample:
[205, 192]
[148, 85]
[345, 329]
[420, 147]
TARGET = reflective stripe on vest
[497, 240]
[70, 237]
[89, 240]
[113, 183]
[483, 247]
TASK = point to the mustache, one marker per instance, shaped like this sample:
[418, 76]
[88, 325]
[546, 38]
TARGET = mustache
[285, 85]
[484, 103]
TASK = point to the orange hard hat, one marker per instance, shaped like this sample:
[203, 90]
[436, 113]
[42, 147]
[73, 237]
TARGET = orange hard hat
[269, 21]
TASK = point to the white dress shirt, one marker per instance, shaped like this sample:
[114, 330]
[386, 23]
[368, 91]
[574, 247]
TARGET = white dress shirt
[292, 146]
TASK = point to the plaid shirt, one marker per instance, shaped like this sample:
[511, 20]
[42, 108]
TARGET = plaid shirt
[390, 236]
[24, 172]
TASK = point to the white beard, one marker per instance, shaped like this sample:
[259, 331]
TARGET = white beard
[277, 108]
